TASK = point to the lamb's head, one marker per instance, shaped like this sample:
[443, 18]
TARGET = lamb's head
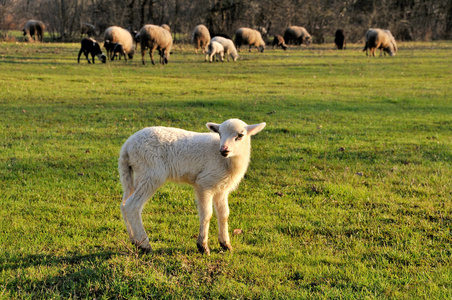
[98, 52]
[235, 136]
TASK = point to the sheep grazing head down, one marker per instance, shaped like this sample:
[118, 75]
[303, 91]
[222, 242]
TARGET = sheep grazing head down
[235, 135]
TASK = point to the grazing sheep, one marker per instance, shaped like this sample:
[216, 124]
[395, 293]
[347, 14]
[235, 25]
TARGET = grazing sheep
[251, 37]
[278, 41]
[228, 45]
[201, 38]
[213, 163]
[90, 46]
[297, 35]
[117, 50]
[339, 39]
[88, 29]
[115, 34]
[393, 42]
[34, 28]
[380, 39]
[215, 48]
[156, 37]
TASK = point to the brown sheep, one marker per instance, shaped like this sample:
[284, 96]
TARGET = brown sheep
[251, 37]
[115, 34]
[278, 41]
[201, 38]
[34, 28]
[380, 39]
[156, 37]
[297, 35]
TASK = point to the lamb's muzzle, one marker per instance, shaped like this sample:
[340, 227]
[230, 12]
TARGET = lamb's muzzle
[224, 151]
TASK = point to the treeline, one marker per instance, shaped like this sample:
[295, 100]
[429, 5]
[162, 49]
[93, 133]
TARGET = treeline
[407, 19]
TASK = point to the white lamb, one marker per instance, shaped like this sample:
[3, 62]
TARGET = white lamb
[213, 163]
[215, 48]
[229, 48]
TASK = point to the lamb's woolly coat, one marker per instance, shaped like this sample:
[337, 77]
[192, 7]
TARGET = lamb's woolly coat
[380, 39]
[201, 38]
[34, 28]
[213, 165]
[297, 35]
[155, 37]
[229, 48]
[116, 34]
[251, 37]
[215, 48]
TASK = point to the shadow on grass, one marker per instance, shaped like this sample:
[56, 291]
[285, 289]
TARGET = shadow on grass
[40, 276]
[46, 260]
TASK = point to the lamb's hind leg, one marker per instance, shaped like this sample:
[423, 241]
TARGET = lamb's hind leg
[132, 208]
[220, 202]
[204, 202]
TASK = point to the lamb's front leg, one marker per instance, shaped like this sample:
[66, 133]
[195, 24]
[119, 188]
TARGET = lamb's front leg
[205, 214]
[222, 210]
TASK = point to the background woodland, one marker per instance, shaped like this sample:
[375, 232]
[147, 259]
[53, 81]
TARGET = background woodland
[420, 20]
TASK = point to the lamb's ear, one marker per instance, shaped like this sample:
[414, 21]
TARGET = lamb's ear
[213, 127]
[254, 129]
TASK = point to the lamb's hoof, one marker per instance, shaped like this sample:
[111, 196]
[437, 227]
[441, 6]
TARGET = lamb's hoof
[145, 250]
[226, 246]
[204, 249]
[143, 247]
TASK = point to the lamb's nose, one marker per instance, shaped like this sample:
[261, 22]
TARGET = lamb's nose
[224, 151]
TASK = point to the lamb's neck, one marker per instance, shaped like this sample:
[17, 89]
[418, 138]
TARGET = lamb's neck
[239, 163]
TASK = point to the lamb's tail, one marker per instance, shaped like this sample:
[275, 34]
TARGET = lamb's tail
[125, 174]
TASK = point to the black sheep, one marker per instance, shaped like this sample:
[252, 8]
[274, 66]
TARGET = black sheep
[90, 46]
[339, 39]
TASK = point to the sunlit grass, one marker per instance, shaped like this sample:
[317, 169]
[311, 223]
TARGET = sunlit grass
[347, 194]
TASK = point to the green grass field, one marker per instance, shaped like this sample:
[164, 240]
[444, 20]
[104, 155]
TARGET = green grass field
[348, 194]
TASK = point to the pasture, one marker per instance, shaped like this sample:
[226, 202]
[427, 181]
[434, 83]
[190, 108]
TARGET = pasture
[348, 194]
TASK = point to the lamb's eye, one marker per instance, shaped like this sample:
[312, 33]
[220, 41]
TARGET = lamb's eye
[239, 137]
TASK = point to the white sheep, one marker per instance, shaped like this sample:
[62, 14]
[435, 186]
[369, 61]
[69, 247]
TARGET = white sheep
[201, 38]
[297, 34]
[155, 37]
[115, 34]
[213, 163]
[251, 37]
[215, 48]
[380, 39]
[229, 48]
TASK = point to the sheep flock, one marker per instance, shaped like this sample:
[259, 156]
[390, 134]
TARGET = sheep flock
[123, 42]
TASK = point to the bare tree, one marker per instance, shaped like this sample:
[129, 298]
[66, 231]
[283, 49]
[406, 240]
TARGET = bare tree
[407, 19]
